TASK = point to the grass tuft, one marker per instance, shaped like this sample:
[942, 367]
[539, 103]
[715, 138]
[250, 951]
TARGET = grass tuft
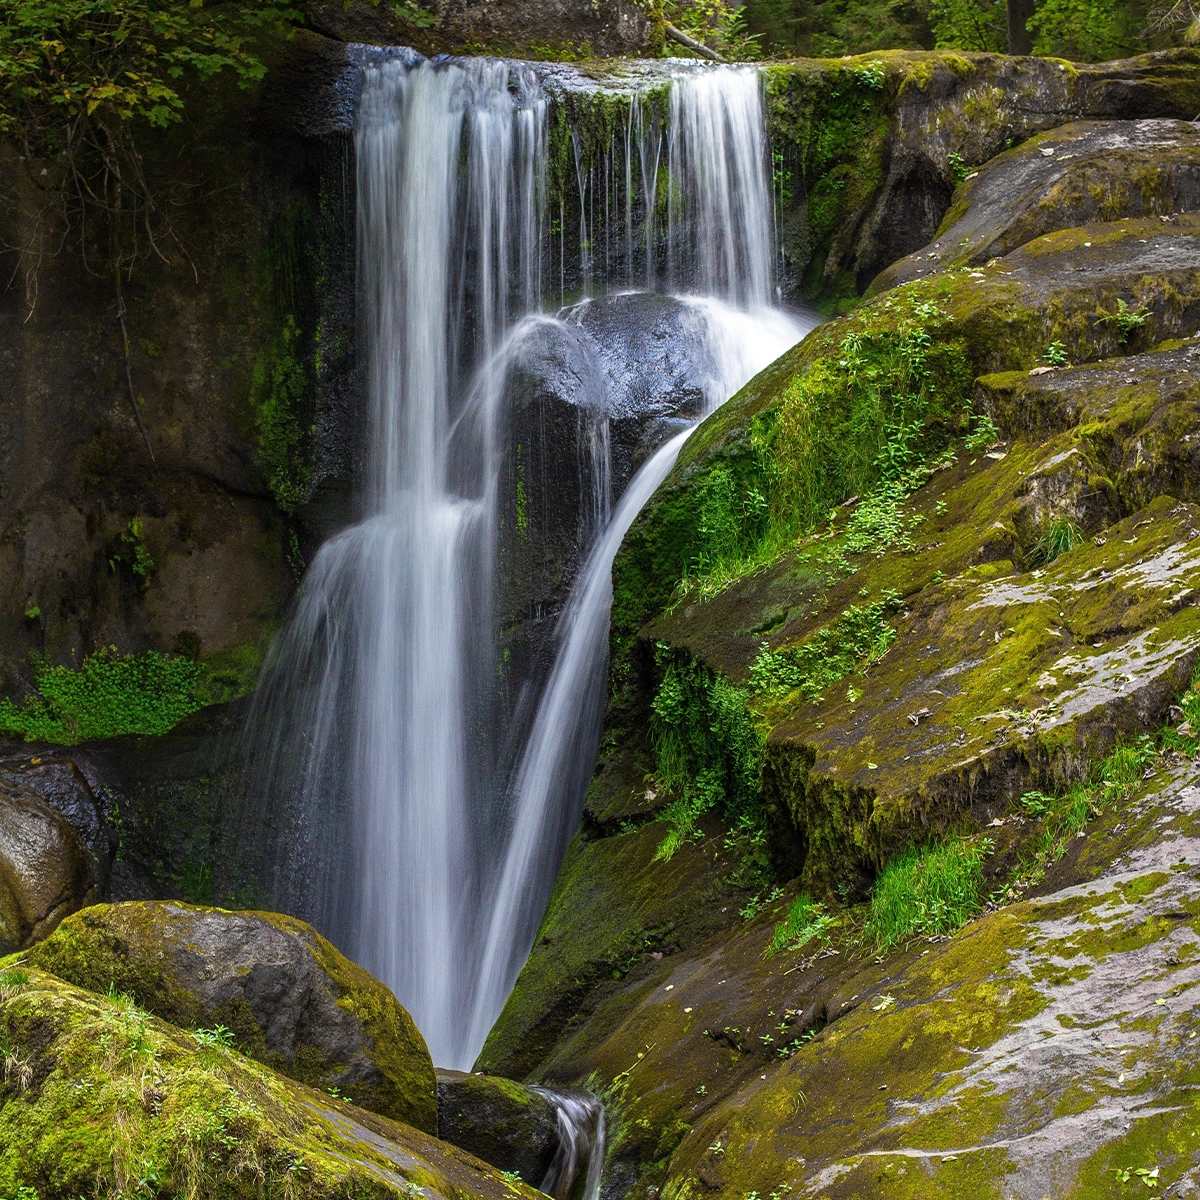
[927, 892]
[806, 919]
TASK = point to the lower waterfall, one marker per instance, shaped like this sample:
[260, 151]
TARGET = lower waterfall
[378, 723]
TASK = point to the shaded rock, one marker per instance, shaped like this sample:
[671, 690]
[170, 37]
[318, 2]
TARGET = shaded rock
[614, 909]
[45, 873]
[511, 1126]
[1083, 172]
[99, 1092]
[58, 780]
[290, 999]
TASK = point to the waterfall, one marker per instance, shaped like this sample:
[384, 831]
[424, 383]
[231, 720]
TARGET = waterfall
[378, 693]
[413, 837]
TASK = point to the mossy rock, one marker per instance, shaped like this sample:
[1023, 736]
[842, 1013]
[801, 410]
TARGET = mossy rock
[505, 1123]
[1083, 172]
[289, 997]
[100, 1097]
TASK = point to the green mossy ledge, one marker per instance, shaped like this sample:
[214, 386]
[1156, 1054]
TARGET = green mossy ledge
[102, 1098]
[290, 999]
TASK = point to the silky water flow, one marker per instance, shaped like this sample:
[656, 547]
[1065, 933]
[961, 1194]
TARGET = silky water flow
[375, 720]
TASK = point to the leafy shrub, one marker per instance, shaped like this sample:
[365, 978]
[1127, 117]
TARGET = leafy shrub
[707, 749]
[929, 892]
[109, 695]
[1126, 319]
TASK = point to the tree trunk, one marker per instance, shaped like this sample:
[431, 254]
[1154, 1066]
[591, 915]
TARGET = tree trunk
[1019, 41]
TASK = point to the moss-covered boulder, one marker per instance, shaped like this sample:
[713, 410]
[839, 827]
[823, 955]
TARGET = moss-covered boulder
[100, 1097]
[1084, 172]
[45, 873]
[505, 1123]
[285, 993]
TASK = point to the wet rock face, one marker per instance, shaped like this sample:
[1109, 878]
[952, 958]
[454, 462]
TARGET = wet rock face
[212, 1123]
[590, 396]
[513, 1127]
[45, 872]
[291, 1000]
[1087, 171]
[60, 783]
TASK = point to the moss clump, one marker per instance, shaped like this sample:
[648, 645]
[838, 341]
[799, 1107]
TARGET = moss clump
[112, 1101]
[110, 694]
[158, 953]
[279, 395]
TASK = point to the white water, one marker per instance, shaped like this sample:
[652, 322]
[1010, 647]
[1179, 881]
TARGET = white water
[580, 1145]
[379, 702]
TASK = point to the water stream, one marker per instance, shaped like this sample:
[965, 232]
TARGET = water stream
[379, 720]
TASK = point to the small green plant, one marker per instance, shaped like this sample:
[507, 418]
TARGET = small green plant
[983, 433]
[927, 892]
[1056, 355]
[1126, 319]
[859, 637]
[217, 1038]
[12, 983]
[806, 919]
[1060, 537]
[136, 557]
[413, 14]
[194, 880]
[958, 168]
[871, 76]
[32, 614]
[25, 1193]
[511, 1176]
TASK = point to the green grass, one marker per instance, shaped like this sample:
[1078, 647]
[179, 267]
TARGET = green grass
[110, 694]
[1060, 537]
[927, 892]
[806, 919]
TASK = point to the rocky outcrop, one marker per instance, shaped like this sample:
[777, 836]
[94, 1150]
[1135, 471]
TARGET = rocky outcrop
[511, 1126]
[288, 997]
[1087, 171]
[98, 1093]
[45, 873]
[874, 145]
[954, 602]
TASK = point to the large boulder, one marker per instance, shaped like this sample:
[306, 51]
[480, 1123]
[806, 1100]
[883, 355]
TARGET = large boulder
[1083, 172]
[45, 872]
[289, 998]
[99, 1096]
[507, 1124]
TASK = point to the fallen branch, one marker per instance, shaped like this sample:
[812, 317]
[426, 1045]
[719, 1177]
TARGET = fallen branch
[677, 35]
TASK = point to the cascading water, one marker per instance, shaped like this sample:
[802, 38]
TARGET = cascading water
[377, 696]
[409, 841]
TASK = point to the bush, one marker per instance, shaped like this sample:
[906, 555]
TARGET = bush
[929, 892]
[109, 695]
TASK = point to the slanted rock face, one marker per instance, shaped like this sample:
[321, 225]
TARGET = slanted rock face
[511, 1126]
[291, 1000]
[1087, 171]
[97, 1093]
[45, 873]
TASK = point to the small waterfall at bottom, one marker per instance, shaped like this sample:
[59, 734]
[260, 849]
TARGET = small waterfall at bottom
[574, 1172]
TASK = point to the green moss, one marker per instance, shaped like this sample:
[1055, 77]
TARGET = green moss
[110, 694]
[128, 947]
[279, 396]
[120, 1103]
